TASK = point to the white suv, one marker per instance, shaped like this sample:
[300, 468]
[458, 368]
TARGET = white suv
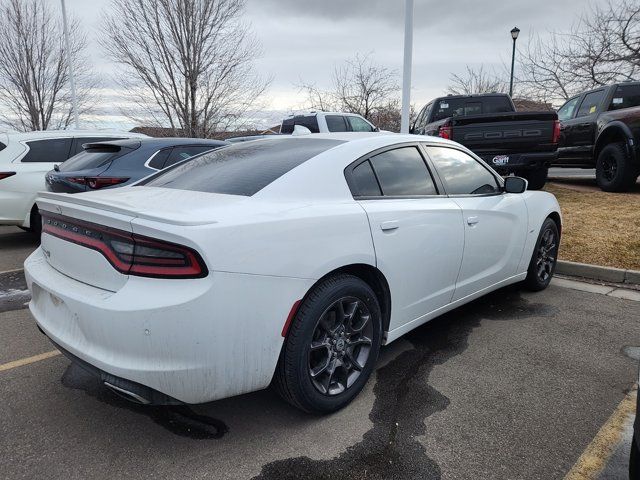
[25, 158]
[326, 122]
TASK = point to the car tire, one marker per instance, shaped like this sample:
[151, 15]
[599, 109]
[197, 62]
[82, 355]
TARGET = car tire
[535, 178]
[544, 258]
[634, 461]
[326, 360]
[35, 222]
[614, 169]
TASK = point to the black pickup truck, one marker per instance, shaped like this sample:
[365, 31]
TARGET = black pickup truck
[524, 143]
[601, 129]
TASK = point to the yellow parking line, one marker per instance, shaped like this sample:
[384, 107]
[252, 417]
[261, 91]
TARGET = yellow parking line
[16, 270]
[28, 360]
[595, 457]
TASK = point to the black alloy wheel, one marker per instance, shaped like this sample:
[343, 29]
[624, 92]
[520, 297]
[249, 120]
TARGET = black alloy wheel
[340, 346]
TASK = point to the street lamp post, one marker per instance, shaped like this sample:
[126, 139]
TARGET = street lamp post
[406, 73]
[514, 34]
[67, 44]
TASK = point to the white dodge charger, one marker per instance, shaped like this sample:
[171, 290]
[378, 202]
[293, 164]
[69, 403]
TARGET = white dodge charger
[286, 260]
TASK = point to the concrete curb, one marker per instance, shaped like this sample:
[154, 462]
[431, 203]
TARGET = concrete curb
[596, 272]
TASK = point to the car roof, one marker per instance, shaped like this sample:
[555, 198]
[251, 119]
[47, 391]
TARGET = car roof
[151, 142]
[43, 134]
[321, 112]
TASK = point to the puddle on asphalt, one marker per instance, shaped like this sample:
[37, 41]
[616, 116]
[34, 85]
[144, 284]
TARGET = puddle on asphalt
[179, 420]
[403, 398]
[632, 352]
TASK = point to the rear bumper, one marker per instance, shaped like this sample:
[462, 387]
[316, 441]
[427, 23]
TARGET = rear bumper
[515, 162]
[193, 341]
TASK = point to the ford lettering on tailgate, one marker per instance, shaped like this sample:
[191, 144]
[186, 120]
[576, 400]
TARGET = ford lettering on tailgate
[519, 133]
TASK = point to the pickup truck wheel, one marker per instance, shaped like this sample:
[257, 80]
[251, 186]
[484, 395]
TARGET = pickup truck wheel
[536, 178]
[331, 347]
[614, 170]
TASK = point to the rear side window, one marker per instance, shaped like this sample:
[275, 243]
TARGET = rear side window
[360, 125]
[590, 103]
[159, 158]
[93, 158]
[625, 96]
[402, 172]
[53, 150]
[308, 121]
[461, 173]
[365, 181]
[243, 168]
[183, 152]
[336, 123]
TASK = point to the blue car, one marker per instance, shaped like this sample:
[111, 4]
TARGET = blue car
[122, 162]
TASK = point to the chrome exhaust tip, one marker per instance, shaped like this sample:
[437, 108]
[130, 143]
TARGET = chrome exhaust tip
[126, 394]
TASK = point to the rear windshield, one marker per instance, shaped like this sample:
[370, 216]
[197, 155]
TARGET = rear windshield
[92, 158]
[456, 107]
[243, 168]
[309, 121]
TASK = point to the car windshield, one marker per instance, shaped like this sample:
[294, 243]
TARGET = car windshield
[456, 107]
[243, 168]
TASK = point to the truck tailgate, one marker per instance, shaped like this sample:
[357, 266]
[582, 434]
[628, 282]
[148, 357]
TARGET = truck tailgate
[505, 133]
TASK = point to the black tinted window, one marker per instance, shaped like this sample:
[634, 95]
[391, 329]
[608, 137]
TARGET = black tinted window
[365, 181]
[625, 96]
[590, 103]
[461, 173]
[403, 172]
[456, 107]
[159, 158]
[243, 168]
[308, 121]
[54, 150]
[336, 123]
[183, 152]
[79, 141]
[92, 158]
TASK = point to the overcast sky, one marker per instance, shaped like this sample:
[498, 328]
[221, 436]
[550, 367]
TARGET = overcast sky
[304, 39]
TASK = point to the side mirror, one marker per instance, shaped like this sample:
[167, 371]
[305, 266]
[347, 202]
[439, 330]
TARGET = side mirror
[515, 184]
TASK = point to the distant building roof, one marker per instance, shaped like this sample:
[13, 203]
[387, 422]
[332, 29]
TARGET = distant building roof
[526, 105]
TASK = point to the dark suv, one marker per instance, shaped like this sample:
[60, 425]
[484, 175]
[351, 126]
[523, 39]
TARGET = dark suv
[123, 162]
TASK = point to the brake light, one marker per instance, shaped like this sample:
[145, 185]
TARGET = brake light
[555, 138]
[445, 131]
[98, 182]
[4, 175]
[128, 253]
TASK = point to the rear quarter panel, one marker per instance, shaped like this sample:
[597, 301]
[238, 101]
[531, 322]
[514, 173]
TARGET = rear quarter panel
[540, 205]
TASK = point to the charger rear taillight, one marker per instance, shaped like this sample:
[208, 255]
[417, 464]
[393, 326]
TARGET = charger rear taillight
[128, 253]
[97, 182]
[445, 131]
[4, 175]
[555, 138]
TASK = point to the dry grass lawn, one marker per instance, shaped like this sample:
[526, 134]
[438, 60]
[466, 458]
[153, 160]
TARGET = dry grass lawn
[598, 227]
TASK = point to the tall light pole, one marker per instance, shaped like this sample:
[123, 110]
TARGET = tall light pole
[72, 84]
[514, 34]
[406, 72]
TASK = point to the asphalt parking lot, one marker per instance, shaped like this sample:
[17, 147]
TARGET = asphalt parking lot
[514, 385]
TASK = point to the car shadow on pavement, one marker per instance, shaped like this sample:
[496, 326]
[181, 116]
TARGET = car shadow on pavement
[403, 400]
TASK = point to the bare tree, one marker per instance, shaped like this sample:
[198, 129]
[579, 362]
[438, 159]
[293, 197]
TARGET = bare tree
[187, 64]
[358, 86]
[34, 74]
[602, 47]
[475, 81]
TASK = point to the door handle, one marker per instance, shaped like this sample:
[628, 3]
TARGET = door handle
[472, 220]
[388, 226]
